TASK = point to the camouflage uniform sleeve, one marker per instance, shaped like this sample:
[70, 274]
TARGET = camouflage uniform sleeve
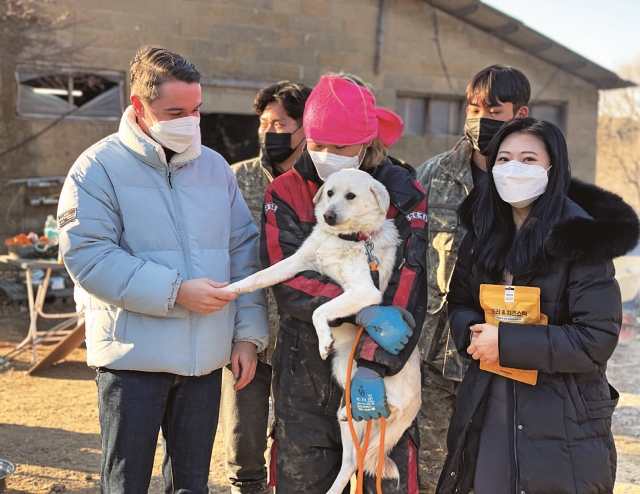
[253, 181]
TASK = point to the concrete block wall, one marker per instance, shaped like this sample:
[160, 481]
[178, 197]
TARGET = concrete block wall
[270, 40]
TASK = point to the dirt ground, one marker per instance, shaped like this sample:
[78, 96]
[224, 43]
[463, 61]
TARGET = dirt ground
[49, 422]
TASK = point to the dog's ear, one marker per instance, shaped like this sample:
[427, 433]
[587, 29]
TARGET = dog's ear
[381, 195]
[318, 195]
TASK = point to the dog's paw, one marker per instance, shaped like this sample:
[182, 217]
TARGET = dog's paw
[342, 414]
[238, 287]
[233, 288]
[326, 347]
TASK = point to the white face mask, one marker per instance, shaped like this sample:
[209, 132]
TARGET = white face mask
[520, 184]
[175, 134]
[328, 163]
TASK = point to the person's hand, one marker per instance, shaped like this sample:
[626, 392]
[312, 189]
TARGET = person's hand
[203, 295]
[389, 327]
[244, 359]
[484, 343]
[368, 396]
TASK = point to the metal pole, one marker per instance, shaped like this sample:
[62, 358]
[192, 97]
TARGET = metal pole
[380, 38]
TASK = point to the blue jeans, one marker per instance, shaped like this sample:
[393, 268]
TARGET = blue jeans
[134, 406]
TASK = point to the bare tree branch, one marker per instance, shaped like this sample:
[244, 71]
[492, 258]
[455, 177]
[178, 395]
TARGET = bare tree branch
[623, 103]
[618, 157]
[28, 31]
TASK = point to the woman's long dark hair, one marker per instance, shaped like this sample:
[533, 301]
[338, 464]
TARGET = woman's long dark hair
[500, 246]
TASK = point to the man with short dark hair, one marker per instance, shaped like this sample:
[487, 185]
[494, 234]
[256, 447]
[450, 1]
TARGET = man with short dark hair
[495, 95]
[280, 107]
[152, 225]
[244, 413]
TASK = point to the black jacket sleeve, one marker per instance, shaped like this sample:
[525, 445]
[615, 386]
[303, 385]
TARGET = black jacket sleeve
[584, 345]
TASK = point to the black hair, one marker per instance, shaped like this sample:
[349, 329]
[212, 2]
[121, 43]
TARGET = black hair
[291, 96]
[498, 82]
[500, 246]
[152, 66]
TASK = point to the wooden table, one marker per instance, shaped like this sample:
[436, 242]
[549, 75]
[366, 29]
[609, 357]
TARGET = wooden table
[69, 333]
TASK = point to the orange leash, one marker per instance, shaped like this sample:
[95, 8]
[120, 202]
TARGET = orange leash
[361, 452]
[383, 427]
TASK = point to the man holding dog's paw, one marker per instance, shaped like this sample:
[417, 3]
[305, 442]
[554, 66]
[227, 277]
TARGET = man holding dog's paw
[152, 226]
[344, 130]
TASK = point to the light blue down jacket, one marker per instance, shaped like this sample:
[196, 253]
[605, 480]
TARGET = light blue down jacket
[132, 228]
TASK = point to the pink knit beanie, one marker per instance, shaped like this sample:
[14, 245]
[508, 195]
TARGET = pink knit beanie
[342, 113]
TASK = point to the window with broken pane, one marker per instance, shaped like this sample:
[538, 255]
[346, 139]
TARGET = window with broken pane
[47, 93]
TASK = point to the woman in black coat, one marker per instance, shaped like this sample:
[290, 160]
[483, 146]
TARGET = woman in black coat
[530, 224]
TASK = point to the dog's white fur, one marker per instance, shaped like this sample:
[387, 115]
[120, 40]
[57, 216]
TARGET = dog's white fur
[360, 204]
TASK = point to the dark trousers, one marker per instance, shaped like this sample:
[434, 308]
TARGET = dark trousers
[244, 416]
[134, 406]
[308, 448]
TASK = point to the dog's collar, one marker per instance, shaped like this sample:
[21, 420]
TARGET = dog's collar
[355, 237]
[368, 246]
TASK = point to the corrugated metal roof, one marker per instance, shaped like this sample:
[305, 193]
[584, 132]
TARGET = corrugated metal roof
[518, 34]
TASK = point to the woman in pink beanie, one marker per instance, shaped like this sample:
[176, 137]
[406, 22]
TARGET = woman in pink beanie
[344, 129]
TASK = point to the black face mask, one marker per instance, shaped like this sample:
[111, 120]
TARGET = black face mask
[277, 146]
[480, 131]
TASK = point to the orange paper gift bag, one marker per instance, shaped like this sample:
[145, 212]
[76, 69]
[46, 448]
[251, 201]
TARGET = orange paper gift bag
[514, 304]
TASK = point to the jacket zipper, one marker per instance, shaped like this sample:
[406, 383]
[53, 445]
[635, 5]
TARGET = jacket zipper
[461, 470]
[515, 425]
[515, 432]
[185, 252]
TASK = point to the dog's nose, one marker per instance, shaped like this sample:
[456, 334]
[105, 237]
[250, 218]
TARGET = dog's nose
[330, 218]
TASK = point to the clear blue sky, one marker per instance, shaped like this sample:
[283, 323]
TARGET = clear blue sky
[606, 32]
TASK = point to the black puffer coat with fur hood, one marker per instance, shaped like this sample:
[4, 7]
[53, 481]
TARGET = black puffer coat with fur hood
[561, 441]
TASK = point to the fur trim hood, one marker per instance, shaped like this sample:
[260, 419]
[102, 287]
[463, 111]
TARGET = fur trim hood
[596, 225]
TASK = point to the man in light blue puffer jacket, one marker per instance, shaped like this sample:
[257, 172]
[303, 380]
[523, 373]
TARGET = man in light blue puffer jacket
[151, 225]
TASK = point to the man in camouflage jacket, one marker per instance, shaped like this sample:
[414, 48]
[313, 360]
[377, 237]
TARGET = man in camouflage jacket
[244, 414]
[447, 180]
[494, 95]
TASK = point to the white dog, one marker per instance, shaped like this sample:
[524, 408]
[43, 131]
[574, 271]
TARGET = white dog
[351, 201]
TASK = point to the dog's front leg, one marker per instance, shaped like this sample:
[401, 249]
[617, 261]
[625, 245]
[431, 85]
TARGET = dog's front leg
[277, 273]
[348, 303]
